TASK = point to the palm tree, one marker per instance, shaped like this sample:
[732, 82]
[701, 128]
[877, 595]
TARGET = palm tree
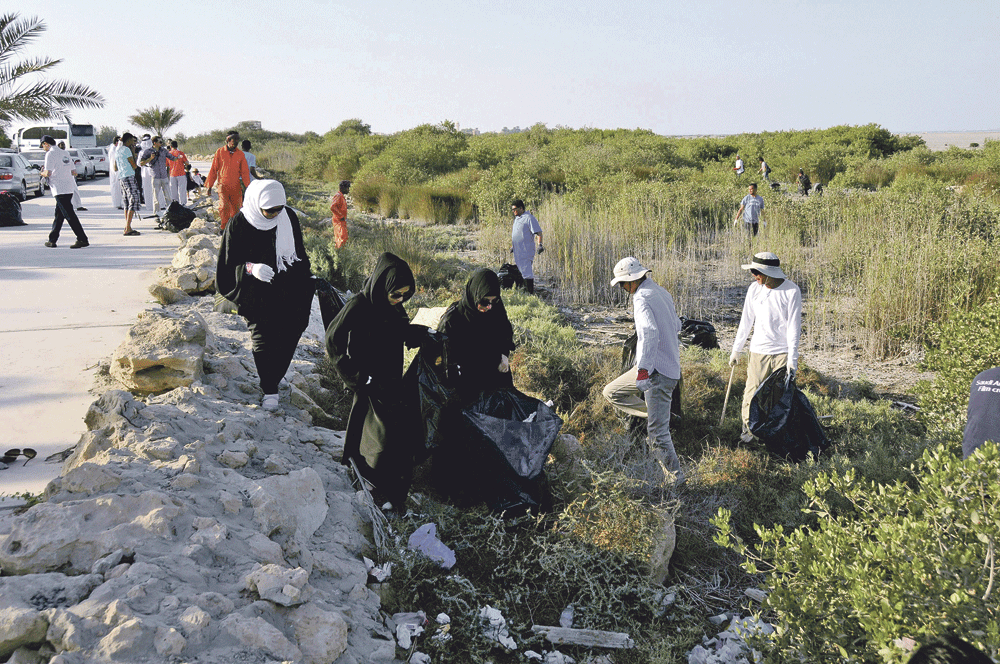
[23, 100]
[156, 119]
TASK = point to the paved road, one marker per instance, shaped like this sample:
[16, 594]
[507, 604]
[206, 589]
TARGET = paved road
[61, 311]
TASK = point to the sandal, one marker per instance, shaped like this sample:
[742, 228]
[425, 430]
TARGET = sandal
[131, 232]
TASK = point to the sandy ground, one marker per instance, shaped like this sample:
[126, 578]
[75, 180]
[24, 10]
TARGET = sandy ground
[942, 140]
[63, 311]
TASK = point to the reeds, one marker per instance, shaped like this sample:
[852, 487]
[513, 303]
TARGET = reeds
[874, 267]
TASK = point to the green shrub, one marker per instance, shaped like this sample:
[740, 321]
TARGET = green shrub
[901, 561]
[958, 349]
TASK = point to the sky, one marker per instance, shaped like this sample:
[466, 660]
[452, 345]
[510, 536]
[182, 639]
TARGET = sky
[691, 67]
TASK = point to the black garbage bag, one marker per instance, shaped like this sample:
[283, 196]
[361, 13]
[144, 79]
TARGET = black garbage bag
[510, 276]
[785, 421]
[10, 210]
[493, 450]
[428, 374]
[177, 217]
[698, 333]
[331, 300]
[629, 350]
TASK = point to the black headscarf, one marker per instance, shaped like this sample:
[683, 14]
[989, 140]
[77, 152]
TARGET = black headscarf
[477, 339]
[391, 273]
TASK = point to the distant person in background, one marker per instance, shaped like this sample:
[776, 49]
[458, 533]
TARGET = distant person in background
[116, 190]
[525, 235]
[229, 169]
[145, 176]
[338, 208]
[178, 174]
[804, 183]
[751, 209]
[196, 178]
[765, 170]
[62, 179]
[251, 160]
[127, 169]
[739, 166]
[984, 412]
[264, 269]
[773, 310]
[156, 158]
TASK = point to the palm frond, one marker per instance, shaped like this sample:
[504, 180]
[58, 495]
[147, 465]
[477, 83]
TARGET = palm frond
[17, 33]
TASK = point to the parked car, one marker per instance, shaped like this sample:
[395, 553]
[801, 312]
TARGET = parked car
[37, 159]
[84, 168]
[19, 176]
[100, 159]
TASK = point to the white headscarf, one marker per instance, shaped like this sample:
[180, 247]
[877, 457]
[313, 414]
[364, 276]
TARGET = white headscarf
[268, 194]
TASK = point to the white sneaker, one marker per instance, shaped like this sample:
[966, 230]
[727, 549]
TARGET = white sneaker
[270, 402]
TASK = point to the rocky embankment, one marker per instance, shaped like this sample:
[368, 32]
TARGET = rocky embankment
[189, 524]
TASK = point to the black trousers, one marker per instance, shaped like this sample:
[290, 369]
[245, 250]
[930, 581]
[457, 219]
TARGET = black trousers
[66, 212]
[274, 344]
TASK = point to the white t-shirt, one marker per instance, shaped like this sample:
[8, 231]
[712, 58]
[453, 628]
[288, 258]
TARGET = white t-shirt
[60, 166]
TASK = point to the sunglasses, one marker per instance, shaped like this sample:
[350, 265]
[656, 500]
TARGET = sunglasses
[398, 294]
[10, 456]
[270, 212]
[486, 303]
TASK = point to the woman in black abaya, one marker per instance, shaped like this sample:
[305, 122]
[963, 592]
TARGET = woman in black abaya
[365, 342]
[480, 336]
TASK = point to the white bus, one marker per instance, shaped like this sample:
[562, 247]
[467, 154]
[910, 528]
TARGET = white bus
[75, 135]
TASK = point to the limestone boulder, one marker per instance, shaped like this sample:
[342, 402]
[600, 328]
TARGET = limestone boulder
[21, 627]
[292, 505]
[281, 585]
[258, 634]
[161, 352]
[321, 634]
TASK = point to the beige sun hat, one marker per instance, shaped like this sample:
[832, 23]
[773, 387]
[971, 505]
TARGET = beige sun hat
[766, 263]
[629, 269]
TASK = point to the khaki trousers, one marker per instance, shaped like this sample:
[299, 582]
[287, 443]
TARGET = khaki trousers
[759, 367]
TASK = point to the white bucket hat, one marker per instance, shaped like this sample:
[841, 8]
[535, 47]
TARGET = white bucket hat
[768, 264]
[629, 269]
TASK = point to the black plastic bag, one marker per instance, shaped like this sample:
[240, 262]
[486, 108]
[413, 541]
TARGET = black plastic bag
[177, 217]
[785, 421]
[10, 210]
[698, 333]
[331, 301]
[433, 390]
[510, 276]
[495, 449]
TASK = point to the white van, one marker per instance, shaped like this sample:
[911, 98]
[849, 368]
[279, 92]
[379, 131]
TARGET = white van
[75, 135]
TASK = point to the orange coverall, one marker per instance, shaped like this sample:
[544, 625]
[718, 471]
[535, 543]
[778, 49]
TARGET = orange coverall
[339, 210]
[227, 169]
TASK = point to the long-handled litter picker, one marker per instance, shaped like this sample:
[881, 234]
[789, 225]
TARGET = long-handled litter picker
[725, 401]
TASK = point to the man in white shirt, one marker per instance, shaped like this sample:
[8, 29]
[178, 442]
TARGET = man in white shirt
[773, 309]
[738, 167]
[658, 362]
[62, 179]
[525, 237]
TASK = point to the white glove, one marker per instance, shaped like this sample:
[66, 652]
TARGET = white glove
[789, 376]
[734, 359]
[504, 364]
[263, 272]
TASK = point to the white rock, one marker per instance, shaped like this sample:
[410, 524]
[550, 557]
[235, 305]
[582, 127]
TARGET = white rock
[294, 504]
[259, 634]
[194, 619]
[168, 641]
[21, 627]
[321, 634]
[131, 638]
[280, 585]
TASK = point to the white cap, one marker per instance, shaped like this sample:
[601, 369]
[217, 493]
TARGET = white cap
[629, 269]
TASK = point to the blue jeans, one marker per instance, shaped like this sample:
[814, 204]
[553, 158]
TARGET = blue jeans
[623, 394]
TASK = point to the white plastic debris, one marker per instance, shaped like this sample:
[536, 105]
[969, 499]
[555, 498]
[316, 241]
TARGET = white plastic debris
[379, 572]
[420, 658]
[443, 619]
[424, 539]
[729, 646]
[556, 657]
[566, 617]
[495, 627]
[531, 654]
[530, 418]
[408, 625]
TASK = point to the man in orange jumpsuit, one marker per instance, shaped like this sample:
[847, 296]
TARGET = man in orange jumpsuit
[228, 166]
[339, 210]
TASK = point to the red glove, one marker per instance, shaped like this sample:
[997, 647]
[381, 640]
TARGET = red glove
[642, 375]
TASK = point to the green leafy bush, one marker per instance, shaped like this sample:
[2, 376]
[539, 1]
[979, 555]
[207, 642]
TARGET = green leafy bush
[899, 561]
[958, 349]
